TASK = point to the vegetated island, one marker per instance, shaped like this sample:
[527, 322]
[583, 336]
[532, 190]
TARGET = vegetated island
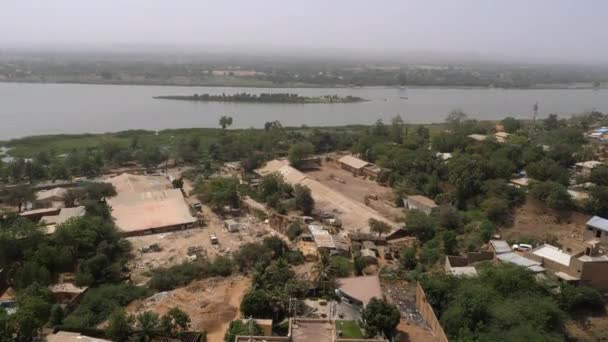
[265, 98]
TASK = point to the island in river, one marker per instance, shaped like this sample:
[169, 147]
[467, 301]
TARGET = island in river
[264, 98]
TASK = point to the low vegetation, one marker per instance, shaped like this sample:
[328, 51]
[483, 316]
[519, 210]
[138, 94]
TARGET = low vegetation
[264, 98]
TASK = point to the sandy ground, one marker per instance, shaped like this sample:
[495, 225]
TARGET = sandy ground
[175, 244]
[358, 188]
[536, 221]
[589, 329]
[211, 303]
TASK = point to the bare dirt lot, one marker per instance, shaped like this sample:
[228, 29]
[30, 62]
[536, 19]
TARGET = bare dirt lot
[357, 188]
[210, 303]
[534, 220]
[175, 245]
[588, 329]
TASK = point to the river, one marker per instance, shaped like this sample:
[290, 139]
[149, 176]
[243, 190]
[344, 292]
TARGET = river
[32, 109]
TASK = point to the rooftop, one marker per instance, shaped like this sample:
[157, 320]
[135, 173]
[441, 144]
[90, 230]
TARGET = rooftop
[478, 137]
[516, 259]
[553, 253]
[423, 200]
[66, 288]
[64, 336]
[500, 246]
[363, 288]
[353, 162]
[126, 183]
[598, 223]
[152, 209]
[590, 164]
[49, 194]
[64, 215]
[523, 181]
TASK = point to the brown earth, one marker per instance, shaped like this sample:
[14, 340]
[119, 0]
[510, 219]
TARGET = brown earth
[210, 303]
[535, 220]
[358, 188]
[411, 332]
[588, 329]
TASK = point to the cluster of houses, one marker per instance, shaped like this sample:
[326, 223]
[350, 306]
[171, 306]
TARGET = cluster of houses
[576, 261]
[600, 134]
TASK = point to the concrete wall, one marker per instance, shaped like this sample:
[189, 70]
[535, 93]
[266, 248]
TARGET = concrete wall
[595, 274]
[479, 256]
[427, 313]
[590, 234]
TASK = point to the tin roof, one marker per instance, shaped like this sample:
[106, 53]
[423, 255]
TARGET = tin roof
[353, 162]
[598, 223]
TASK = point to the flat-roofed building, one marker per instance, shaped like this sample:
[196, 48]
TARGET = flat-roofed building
[422, 203]
[53, 198]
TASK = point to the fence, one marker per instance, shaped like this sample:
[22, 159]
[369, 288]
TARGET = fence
[426, 311]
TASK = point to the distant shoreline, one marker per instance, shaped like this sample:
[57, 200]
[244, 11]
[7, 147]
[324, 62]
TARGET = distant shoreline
[280, 98]
[300, 85]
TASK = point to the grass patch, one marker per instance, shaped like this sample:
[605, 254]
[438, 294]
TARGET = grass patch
[350, 329]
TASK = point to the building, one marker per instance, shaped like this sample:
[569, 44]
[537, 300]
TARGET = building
[353, 164]
[597, 228]
[67, 293]
[501, 137]
[148, 204]
[65, 336]
[463, 265]
[579, 264]
[584, 168]
[358, 291]
[326, 242]
[422, 203]
[232, 226]
[53, 198]
[503, 253]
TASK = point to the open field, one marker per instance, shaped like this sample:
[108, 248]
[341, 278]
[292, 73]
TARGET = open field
[534, 220]
[211, 303]
[357, 188]
[175, 245]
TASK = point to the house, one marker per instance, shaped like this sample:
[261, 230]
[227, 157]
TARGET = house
[371, 171]
[326, 242]
[353, 164]
[67, 293]
[463, 265]
[597, 228]
[444, 155]
[584, 168]
[53, 198]
[422, 203]
[581, 263]
[358, 291]
[369, 255]
[503, 253]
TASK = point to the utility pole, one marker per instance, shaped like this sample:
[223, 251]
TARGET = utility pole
[535, 109]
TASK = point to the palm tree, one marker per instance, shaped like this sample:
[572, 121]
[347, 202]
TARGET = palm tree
[147, 325]
[324, 271]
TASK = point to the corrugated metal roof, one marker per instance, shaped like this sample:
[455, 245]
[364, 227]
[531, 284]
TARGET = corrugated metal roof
[516, 259]
[553, 253]
[353, 162]
[598, 223]
[500, 246]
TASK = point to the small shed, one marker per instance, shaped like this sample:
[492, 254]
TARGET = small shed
[353, 164]
[422, 203]
[231, 225]
[369, 255]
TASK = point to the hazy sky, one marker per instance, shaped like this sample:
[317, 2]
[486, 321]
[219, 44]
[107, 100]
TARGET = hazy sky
[555, 30]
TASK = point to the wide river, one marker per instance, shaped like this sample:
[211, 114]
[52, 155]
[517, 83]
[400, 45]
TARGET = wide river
[32, 109]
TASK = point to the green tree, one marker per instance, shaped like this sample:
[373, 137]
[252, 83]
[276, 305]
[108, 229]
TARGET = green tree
[257, 303]
[380, 317]
[579, 298]
[510, 124]
[219, 192]
[148, 325]
[294, 230]
[225, 121]
[467, 174]
[597, 203]
[407, 258]
[548, 169]
[240, 328]
[303, 199]
[551, 122]
[19, 195]
[496, 209]
[174, 321]
[379, 227]
[299, 152]
[420, 225]
[555, 195]
[120, 326]
[57, 315]
[599, 175]
[455, 118]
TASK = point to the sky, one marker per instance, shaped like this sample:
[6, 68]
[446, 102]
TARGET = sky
[534, 30]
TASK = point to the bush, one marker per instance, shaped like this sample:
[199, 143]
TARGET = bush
[166, 279]
[294, 230]
[407, 259]
[579, 298]
[239, 327]
[496, 209]
[341, 266]
[98, 303]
